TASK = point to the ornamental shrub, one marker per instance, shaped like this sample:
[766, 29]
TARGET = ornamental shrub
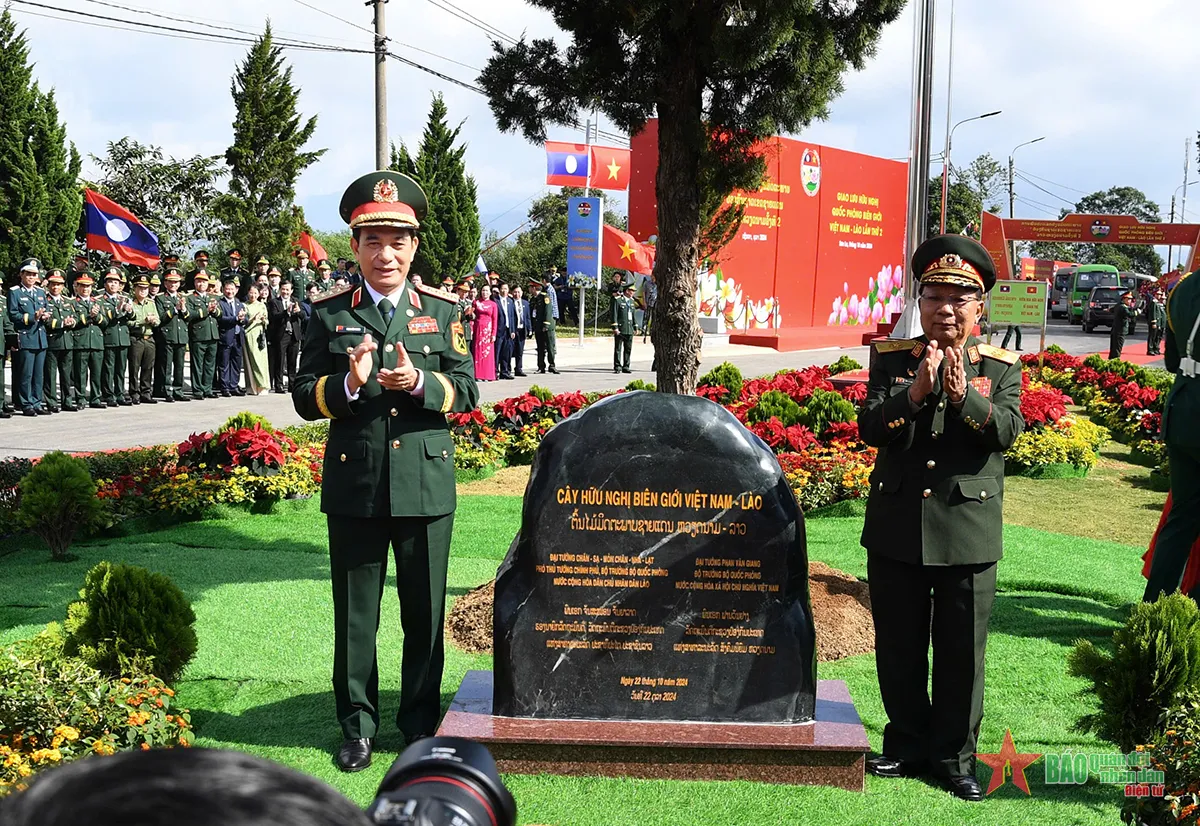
[55, 709]
[1173, 752]
[245, 421]
[131, 620]
[58, 500]
[845, 364]
[540, 393]
[1154, 658]
[823, 409]
[776, 403]
[308, 433]
[1056, 350]
[638, 384]
[724, 375]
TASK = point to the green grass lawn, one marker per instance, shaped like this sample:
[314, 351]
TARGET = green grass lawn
[260, 682]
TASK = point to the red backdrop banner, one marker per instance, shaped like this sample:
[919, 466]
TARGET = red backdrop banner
[821, 243]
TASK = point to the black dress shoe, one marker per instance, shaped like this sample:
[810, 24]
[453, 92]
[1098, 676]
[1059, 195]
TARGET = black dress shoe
[183, 398]
[519, 373]
[4, 414]
[355, 755]
[554, 371]
[136, 400]
[30, 412]
[964, 787]
[125, 403]
[98, 405]
[626, 371]
[616, 370]
[541, 371]
[148, 400]
[169, 399]
[884, 766]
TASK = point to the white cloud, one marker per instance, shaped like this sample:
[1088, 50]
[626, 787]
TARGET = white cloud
[1114, 92]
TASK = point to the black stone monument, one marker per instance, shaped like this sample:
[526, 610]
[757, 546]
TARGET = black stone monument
[660, 574]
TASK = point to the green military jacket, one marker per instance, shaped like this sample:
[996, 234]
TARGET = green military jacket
[300, 280]
[541, 310]
[119, 309]
[6, 326]
[143, 319]
[323, 285]
[1181, 410]
[59, 334]
[1158, 314]
[202, 322]
[389, 454]
[937, 489]
[622, 315]
[92, 315]
[172, 318]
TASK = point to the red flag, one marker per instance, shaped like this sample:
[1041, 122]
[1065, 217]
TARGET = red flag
[609, 168]
[619, 249]
[316, 252]
[115, 230]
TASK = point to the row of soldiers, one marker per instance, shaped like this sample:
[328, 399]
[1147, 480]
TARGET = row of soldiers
[74, 349]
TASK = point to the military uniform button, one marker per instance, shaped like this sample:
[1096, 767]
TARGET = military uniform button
[983, 494]
[349, 351]
[389, 348]
[425, 349]
[445, 454]
[393, 411]
[941, 406]
[927, 493]
[395, 444]
[343, 457]
[931, 464]
[881, 485]
[410, 313]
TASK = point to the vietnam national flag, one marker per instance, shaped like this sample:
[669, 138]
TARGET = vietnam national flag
[620, 250]
[113, 229]
[610, 168]
[316, 252]
[567, 164]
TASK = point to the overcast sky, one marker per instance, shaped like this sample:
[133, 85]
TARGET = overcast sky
[1115, 93]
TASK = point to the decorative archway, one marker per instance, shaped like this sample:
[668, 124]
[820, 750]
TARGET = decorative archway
[1084, 229]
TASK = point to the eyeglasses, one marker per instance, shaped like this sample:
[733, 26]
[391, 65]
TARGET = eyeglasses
[957, 302]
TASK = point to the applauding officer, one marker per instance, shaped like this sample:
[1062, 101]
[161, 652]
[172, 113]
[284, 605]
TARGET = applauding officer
[386, 361]
[942, 409]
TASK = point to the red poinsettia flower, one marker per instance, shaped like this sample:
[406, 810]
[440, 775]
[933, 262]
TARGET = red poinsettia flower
[1135, 397]
[1043, 406]
[197, 442]
[567, 403]
[855, 393]
[712, 392]
[1087, 375]
[842, 432]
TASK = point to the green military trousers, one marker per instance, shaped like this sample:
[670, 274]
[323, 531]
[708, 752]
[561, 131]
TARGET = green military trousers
[358, 552]
[88, 364]
[204, 367]
[112, 380]
[1179, 532]
[943, 728]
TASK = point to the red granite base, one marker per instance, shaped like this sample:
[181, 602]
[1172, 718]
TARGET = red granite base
[831, 751]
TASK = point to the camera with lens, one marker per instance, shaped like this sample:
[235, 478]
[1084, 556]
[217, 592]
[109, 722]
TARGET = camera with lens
[443, 781]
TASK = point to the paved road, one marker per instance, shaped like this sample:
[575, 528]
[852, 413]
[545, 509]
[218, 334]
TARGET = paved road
[585, 368]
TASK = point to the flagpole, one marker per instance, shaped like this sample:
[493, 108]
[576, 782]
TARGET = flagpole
[581, 311]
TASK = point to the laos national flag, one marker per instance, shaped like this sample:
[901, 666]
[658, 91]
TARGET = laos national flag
[113, 229]
[567, 164]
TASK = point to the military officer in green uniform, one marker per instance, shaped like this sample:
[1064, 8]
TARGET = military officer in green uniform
[324, 279]
[941, 409]
[386, 361]
[88, 352]
[542, 312]
[60, 344]
[1181, 412]
[118, 307]
[1157, 313]
[8, 336]
[199, 265]
[202, 312]
[623, 309]
[236, 274]
[301, 275]
[172, 336]
[143, 321]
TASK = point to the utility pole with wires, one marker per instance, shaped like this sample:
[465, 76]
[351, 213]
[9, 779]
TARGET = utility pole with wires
[382, 155]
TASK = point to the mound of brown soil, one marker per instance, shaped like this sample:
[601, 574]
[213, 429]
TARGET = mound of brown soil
[841, 607]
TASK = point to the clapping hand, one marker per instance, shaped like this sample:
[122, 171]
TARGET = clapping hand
[926, 374]
[955, 380]
[69, 321]
[361, 363]
[404, 377]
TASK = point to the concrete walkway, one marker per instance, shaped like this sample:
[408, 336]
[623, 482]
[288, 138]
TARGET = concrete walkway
[587, 368]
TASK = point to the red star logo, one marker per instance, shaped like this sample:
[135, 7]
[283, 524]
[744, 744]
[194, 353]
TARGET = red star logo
[1008, 759]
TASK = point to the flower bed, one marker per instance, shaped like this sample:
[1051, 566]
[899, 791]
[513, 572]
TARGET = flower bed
[1055, 444]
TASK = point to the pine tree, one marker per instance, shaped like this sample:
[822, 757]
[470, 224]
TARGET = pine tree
[22, 196]
[450, 232]
[58, 164]
[266, 157]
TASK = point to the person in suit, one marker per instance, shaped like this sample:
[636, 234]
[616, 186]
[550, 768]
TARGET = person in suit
[385, 362]
[88, 346]
[231, 321]
[306, 308]
[283, 336]
[202, 312]
[60, 344]
[941, 409]
[1181, 411]
[506, 332]
[623, 310]
[172, 336]
[28, 314]
[523, 325]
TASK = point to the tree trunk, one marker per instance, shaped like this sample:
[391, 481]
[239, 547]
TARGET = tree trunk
[675, 330]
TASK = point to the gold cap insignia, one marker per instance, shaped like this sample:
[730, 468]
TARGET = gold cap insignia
[385, 192]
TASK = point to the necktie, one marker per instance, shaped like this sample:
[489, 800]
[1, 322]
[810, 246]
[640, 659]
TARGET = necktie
[386, 309]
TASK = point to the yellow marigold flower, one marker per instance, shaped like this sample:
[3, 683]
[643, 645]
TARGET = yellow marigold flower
[52, 755]
[24, 770]
[67, 733]
[57, 741]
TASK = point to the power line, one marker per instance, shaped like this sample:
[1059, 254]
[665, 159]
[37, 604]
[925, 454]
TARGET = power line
[1048, 192]
[472, 20]
[212, 24]
[540, 192]
[335, 17]
[1046, 208]
[1052, 183]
